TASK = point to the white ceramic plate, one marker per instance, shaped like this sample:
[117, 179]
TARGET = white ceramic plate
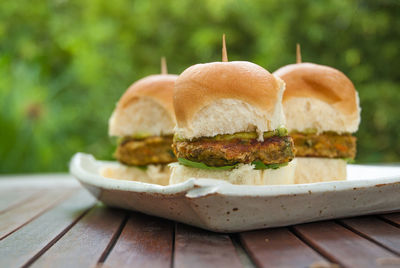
[223, 207]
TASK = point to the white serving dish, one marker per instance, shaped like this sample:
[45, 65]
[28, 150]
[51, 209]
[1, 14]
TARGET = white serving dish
[222, 207]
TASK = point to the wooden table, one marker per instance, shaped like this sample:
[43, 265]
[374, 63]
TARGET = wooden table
[51, 221]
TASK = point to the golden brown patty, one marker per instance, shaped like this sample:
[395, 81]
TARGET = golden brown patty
[273, 150]
[327, 144]
[141, 152]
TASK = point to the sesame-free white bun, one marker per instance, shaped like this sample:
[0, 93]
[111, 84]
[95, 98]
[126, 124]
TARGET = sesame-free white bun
[319, 97]
[313, 169]
[244, 174]
[156, 174]
[225, 98]
[146, 107]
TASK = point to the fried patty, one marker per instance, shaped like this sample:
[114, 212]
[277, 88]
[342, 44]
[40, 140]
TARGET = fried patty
[327, 144]
[273, 150]
[141, 152]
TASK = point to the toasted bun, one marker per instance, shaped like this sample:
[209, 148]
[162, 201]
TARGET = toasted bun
[146, 107]
[227, 97]
[312, 169]
[245, 174]
[156, 174]
[319, 97]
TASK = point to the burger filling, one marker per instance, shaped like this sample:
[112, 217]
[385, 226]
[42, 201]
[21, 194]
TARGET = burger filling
[226, 151]
[142, 151]
[326, 144]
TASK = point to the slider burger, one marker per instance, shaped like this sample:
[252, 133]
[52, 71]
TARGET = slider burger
[144, 121]
[230, 125]
[322, 111]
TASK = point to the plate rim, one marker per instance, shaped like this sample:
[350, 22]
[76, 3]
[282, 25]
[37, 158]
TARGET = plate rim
[216, 186]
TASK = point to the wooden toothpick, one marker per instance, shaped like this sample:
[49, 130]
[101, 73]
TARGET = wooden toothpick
[224, 53]
[164, 69]
[298, 53]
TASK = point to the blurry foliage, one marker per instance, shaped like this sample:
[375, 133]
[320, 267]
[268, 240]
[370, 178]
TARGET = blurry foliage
[65, 63]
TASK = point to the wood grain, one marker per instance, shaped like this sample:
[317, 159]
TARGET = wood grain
[377, 230]
[85, 243]
[18, 216]
[11, 197]
[22, 246]
[279, 248]
[198, 248]
[342, 246]
[145, 241]
[393, 218]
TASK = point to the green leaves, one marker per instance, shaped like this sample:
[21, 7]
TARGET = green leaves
[349, 160]
[258, 165]
[143, 168]
[200, 165]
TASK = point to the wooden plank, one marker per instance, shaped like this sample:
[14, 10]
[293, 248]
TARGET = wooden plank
[39, 181]
[393, 218]
[377, 230]
[36, 177]
[145, 241]
[279, 248]
[86, 242]
[18, 216]
[21, 247]
[10, 198]
[343, 246]
[199, 248]
[241, 252]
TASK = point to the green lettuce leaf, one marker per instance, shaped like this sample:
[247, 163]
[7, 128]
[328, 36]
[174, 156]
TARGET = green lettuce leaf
[144, 168]
[200, 165]
[257, 164]
[260, 165]
[349, 160]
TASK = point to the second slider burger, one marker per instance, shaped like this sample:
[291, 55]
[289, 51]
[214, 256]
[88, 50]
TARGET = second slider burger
[230, 125]
[144, 121]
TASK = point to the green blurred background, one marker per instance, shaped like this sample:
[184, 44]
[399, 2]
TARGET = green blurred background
[65, 63]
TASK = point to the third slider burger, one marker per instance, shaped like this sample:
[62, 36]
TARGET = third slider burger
[230, 125]
[322, 111]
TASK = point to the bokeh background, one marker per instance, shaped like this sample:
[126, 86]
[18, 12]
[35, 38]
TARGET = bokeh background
[65, 63]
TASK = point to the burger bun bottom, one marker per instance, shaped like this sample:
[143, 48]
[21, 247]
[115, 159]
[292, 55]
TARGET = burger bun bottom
[244, 174]
[313, 169]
